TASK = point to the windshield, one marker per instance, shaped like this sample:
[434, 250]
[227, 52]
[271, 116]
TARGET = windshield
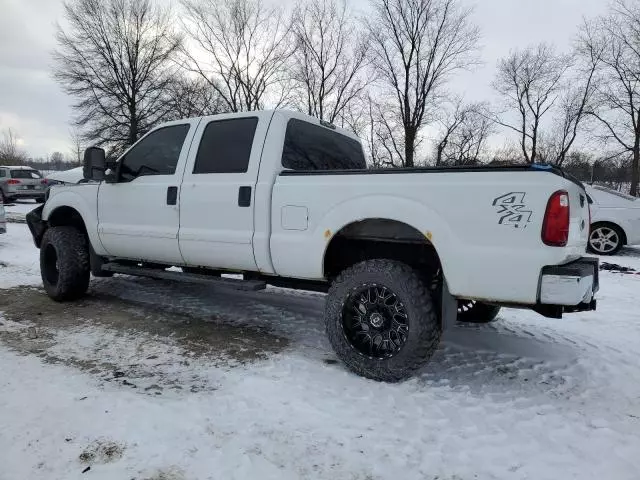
[25, 174]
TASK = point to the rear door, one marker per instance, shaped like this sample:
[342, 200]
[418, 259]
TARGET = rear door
[138, 215]
[218, 191]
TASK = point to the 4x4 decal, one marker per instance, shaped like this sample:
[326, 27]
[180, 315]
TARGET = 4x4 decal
[512, 209]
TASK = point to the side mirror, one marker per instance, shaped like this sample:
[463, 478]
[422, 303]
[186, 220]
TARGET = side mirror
[94, 164]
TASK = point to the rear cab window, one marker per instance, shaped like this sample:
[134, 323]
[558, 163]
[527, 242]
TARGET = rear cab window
[310, 147]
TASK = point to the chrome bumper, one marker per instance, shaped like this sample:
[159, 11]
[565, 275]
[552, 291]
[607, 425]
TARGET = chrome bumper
[570, 285]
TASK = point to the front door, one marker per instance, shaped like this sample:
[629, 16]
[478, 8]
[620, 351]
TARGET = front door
[138, 215]
[217, 196]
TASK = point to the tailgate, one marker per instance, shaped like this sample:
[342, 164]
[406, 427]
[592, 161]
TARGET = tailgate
[579, 216]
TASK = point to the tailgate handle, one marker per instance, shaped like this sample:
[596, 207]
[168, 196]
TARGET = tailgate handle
[244, 197]
[172, 195]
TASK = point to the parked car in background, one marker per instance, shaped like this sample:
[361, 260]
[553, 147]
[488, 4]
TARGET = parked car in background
[65, 177]
[3, 218]
[615, 220]
[20, 183]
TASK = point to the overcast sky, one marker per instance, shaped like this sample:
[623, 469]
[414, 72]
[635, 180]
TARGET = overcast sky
[33, 105]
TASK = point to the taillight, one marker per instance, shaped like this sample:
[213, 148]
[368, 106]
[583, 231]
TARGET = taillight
[555, 227]
[13, 181]
[43, 181]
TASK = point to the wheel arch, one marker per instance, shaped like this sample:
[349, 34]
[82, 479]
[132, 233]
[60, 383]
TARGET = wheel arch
[376, 237]
[71, 208]
[66, 216]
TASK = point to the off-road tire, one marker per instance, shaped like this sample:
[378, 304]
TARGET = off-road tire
[64, 263]
[424, 331]
[478, 312]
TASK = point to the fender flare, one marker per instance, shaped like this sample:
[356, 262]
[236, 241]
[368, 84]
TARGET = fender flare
[70, 199]
[399, 209]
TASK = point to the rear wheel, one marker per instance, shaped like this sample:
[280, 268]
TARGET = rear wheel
[471, 311]
[605, 239]
[381, 320]
[64, 263]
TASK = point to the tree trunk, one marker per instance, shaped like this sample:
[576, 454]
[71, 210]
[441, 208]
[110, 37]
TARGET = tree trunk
[409, 146]
[133, 126]
[635, 168]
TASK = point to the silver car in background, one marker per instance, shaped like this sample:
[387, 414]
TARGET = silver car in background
[3, 218]
[20, 183]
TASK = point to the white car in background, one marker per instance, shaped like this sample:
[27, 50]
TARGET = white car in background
[3, 218]
[615, 220]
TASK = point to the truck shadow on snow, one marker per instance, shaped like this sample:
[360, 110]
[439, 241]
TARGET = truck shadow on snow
[145, 333]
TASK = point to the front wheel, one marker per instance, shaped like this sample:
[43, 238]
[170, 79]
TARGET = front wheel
[471, 311]
[381, 320]
[64, 263]
[605, 239]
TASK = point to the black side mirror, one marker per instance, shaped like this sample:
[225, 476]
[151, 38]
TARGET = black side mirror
[94, 164]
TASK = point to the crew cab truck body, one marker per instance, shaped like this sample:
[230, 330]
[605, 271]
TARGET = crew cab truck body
[286, 199]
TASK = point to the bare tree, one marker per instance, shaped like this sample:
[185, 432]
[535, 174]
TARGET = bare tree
[56, 161]
[465, 131]
[329, 59]
[530, 80]
[416, 46]
[192, 97]
[115, 58]
[77, 146]
[618, 94]
[241, 49]
[10, 152]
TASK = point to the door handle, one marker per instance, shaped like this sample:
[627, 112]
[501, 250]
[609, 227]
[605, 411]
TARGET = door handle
[244, 197]
[172, 195]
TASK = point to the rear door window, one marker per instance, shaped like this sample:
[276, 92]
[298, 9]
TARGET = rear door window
[225, 146]
[313, 147]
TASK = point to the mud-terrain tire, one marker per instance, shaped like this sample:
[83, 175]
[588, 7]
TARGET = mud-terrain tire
[64, 263]
[411, 294]
[470, 311]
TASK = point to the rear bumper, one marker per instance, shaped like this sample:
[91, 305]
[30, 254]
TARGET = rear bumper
[28, 193]
[572, 286]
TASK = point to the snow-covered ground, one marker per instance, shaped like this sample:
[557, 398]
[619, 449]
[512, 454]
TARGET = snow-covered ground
[155, 380]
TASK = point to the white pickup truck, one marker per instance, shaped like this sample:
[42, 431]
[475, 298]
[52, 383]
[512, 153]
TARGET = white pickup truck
[285, 199]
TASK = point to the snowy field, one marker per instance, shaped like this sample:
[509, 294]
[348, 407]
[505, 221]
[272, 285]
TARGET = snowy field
[154, 380]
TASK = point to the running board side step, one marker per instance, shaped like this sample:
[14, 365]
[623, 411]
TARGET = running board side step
[217, 282]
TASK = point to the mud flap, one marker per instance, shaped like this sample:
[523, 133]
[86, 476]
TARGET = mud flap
[36, 225]
[448, 307]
